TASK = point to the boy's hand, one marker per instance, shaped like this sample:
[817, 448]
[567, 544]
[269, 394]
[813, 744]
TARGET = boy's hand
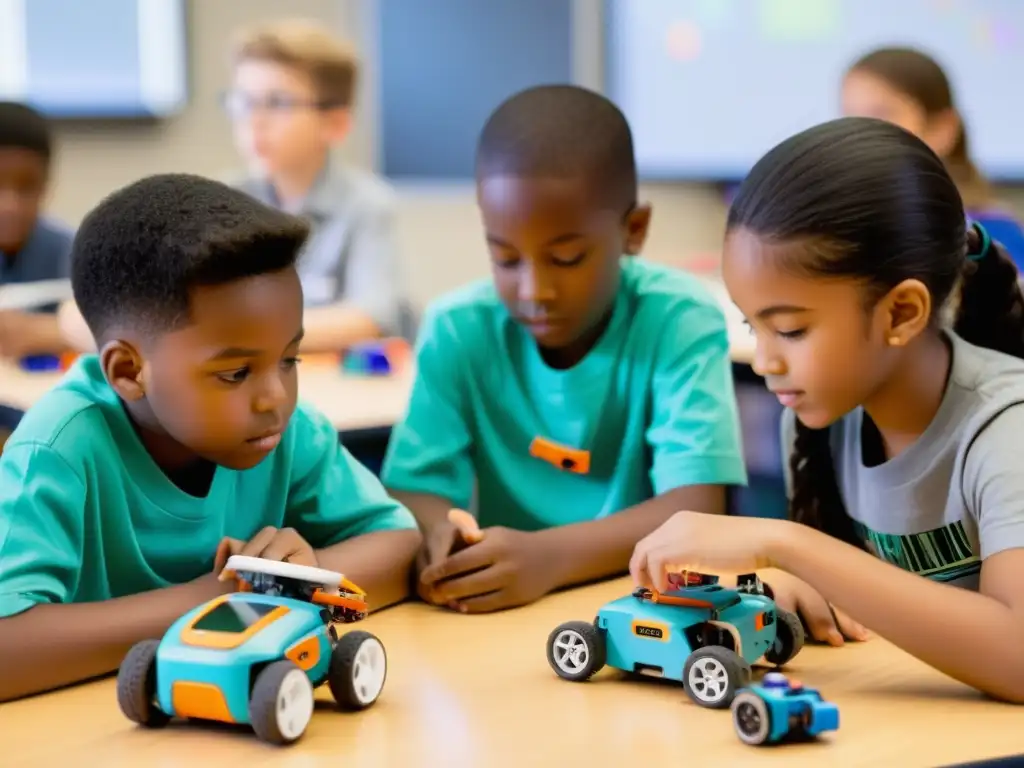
[454, 534]
[825, 623]
[284, 544]
[506, 568]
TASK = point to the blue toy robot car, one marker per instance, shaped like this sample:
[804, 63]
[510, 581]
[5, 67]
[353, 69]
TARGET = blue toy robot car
[780, 709]
[698, 633]
[255, 656]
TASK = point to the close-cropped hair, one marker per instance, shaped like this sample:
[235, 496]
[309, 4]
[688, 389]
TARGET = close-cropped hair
[138, 255]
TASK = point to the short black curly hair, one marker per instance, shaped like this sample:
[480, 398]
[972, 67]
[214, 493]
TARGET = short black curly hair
[561, 131]
[22, 127]
[139, 253]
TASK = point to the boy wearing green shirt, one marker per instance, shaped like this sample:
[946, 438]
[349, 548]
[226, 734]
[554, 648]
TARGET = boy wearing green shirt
[124, 489]
[585, 395]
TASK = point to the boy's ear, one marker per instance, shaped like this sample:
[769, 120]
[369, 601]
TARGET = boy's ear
[125, 369]
[638, 221]
[337, 123]
[908, 311]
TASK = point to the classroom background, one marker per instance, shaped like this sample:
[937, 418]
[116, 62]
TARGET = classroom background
[708, 85]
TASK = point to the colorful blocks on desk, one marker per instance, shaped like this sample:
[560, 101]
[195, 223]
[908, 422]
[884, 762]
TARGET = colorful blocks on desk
[47, 363]
[375, 358]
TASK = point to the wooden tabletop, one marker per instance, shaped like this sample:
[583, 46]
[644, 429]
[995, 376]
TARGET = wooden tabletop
[350, 401]
[477, 692]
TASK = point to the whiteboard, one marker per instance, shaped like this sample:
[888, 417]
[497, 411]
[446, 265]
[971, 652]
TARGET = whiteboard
[711, 85]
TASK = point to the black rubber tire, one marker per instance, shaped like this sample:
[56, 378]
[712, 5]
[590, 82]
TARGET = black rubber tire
[789, 638]
[592, 638]
[737, 673]
[341, 673]
[751, 718]
[263, 703]
[136, 686]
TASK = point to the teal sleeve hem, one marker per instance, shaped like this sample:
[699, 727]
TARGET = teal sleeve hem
[12, 605]
[703, 470]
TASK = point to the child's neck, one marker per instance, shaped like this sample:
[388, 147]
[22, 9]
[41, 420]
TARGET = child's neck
[291, 188]
[907, 404]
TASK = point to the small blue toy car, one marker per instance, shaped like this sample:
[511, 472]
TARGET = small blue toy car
[780, 709]
[697, 632]
[255, 656]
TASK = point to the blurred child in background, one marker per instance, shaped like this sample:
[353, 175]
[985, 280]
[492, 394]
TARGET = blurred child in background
[290, 103]
[910, 89]
[32, 247]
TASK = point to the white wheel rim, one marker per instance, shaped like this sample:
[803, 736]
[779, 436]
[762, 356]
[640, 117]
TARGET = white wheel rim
[739, 705]
[708, 680]
[571, 652]
[369, 670]
[294, 706]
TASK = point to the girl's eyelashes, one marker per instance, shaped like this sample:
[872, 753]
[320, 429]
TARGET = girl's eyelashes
[795, 334]
[792, 334]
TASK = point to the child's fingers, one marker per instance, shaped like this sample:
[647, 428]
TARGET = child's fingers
[495, 601]
[852, 630]
[226, 549]
[438, 547]
[466, 525]
[821, 624]
[476, 583]
[255, 546]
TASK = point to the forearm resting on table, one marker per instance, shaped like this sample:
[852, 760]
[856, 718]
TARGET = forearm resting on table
[970, 636]
[43, 335]
[601, 548]
[429, 510]
[335, 327]
[53, 645]
[378, 562]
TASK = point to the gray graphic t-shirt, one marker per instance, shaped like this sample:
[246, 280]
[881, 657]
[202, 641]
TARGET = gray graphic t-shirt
[954, 497]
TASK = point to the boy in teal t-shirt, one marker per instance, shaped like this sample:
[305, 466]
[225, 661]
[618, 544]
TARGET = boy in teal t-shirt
[584, 395]
[125, 488]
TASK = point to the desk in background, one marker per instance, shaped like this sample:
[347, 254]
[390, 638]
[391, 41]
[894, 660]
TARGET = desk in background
[477, 692]
[362, 408]
[38, 294]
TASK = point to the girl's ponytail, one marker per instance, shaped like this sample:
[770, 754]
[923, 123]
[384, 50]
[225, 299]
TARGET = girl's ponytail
[991, 306]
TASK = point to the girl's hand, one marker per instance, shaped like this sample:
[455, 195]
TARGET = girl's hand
[715, 544]
[825, 623]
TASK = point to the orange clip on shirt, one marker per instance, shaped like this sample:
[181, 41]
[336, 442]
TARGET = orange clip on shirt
[561, 456]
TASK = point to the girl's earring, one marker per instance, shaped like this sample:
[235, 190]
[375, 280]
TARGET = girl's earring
[895, 341]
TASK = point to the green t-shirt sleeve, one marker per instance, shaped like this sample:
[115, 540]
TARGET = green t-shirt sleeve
[42, 510]
[331, 496]
[694, 432]
[994, 483]
[429, 451]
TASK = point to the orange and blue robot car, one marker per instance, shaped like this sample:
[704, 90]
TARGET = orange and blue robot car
[254, 657]
[780, 710]
[698, 632]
